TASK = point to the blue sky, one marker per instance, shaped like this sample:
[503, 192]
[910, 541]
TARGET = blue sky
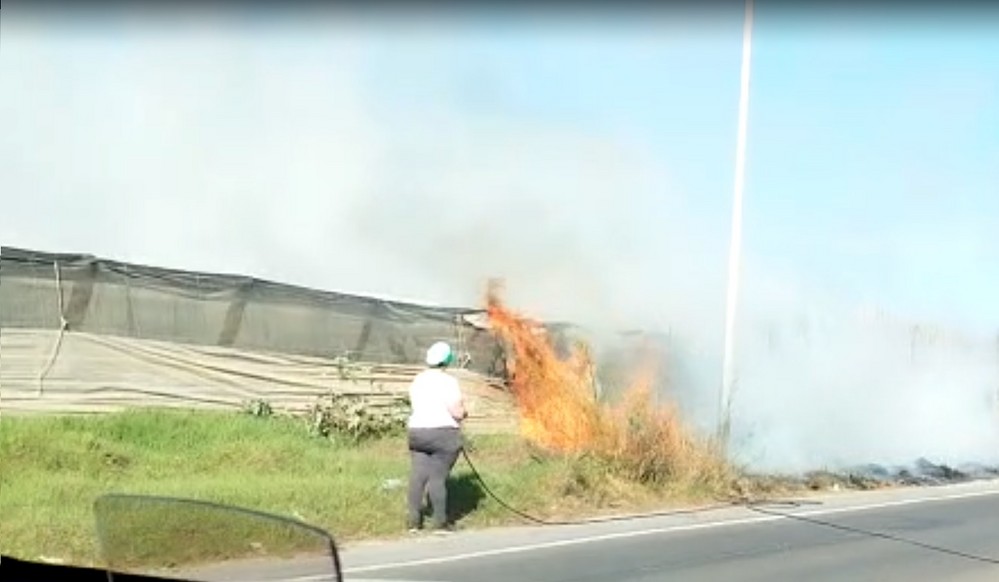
[873, 168]
[880, 159]
[874, 145]
[874, 148]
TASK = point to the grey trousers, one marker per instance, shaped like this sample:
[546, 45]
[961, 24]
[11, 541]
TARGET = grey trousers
[433, 453]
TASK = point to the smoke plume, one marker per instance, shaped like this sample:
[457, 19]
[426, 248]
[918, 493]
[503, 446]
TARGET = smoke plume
[364, 160]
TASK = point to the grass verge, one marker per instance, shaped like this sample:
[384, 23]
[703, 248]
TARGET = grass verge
[53, 468]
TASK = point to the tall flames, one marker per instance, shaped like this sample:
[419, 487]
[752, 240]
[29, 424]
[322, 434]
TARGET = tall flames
[559, 410]
[554, 396]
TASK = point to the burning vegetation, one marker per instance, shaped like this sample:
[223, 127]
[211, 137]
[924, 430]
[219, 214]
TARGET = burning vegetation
[560, 412]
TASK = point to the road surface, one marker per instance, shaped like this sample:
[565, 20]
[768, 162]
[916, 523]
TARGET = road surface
[944, 533]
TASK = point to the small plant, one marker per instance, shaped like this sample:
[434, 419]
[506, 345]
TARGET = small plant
[259, 408]
[352, 418]
[345, 369]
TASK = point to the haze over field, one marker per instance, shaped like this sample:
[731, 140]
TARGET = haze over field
[589, 165]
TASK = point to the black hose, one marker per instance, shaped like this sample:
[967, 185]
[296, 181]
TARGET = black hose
[756, 506]
[540, 521]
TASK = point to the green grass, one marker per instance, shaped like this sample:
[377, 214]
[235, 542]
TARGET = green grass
[53, 468]
[142, 533]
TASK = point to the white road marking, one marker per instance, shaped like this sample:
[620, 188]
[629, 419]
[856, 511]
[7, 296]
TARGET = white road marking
[663, 530]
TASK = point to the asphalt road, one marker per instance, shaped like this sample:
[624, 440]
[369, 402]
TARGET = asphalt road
[946, 533]
[747, 546]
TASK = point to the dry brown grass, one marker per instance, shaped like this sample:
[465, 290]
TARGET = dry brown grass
[651, 444]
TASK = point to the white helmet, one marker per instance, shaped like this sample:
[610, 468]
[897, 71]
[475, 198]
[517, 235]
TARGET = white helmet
[439, 354]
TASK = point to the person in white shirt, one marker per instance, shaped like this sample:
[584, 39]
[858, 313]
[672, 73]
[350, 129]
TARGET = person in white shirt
[435, 441]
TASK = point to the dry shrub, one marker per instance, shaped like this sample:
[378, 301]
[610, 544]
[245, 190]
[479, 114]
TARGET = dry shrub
[636, 439]
[650, 443]
[352, 419]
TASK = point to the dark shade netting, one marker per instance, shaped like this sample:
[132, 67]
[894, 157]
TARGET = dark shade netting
[41, 290]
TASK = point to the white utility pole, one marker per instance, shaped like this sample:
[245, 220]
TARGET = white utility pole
[735, 243]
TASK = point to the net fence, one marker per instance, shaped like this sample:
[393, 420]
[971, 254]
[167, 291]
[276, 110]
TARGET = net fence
[85, 334]
[82, 293]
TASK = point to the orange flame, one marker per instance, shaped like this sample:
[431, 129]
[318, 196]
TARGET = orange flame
[556, 397]
[559, 409]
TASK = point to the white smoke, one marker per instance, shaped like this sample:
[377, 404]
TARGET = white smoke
[263, 153]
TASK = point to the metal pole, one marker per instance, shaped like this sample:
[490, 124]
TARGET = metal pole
[735, 243]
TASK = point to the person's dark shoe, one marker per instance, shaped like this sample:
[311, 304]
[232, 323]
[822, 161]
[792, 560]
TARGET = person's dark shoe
[445, 529]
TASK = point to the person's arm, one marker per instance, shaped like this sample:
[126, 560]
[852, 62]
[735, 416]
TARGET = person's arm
[457, 406]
